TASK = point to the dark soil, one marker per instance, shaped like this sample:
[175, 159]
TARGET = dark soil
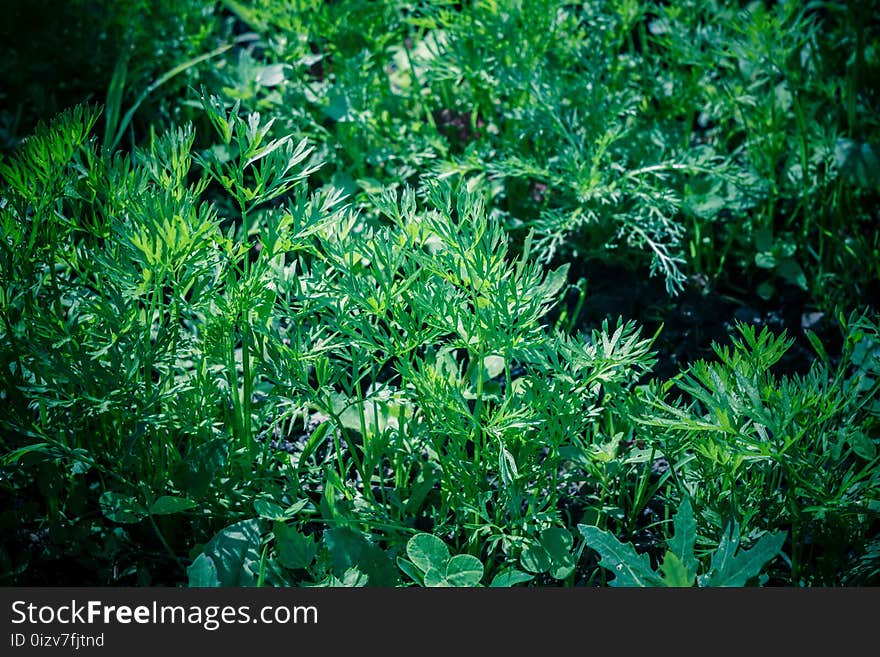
[690, 322]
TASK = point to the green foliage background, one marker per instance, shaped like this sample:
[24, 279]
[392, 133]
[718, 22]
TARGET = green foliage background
[302, 293]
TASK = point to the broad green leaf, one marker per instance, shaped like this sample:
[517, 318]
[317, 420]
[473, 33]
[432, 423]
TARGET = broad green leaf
[121, 508]
[349, 548]
[558, 543]
[464, 570]
[675, 573]
[338, 107]
[763, 239]
[683, 540]
[535, 558]
[766, 290]
[792, 272]
[510, 577]
[235, 553]
[202, 572]
[195, 474]
[724, 553]
[295, 549]
[630, 568]
[729, 568]
[427, 551]
[268, 509]
[168, 504]
[862, 445]
[859, 161]
[606, 452]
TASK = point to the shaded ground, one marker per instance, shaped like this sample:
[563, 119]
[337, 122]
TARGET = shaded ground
[699, 316]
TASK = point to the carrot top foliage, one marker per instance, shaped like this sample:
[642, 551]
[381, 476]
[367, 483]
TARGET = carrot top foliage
[301, 294]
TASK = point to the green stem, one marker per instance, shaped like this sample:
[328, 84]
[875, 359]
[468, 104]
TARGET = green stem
[232, 377]
[246, 385]
[162, 79]
[261, 578]
[358, 464]
[420, 97]
[165, 542]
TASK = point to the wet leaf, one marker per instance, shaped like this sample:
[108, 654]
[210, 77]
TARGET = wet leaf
[629, 567]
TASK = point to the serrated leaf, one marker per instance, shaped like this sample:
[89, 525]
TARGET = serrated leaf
[464, 570]
[723, 555]
[675, 573]
[427, 551]
[168, 504]
[729, 568]
[202, 572]
[295, 549]
[629, 567]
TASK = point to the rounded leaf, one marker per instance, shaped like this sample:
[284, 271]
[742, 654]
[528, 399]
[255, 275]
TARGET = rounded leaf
[427, 551]
[510, 577]
[434, 578]
[535, 559]
[464, 570]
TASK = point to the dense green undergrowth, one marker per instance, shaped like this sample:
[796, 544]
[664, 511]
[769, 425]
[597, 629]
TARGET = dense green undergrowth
[302, 305]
